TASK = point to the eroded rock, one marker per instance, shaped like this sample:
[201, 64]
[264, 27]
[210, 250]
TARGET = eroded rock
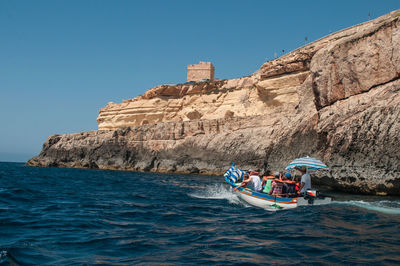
[337, 99]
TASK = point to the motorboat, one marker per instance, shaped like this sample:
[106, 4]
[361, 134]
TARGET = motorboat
[266, 201]
[234, 177]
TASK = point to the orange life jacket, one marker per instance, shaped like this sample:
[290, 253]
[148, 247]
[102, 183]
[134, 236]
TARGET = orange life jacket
[285, 181]
[268, 177]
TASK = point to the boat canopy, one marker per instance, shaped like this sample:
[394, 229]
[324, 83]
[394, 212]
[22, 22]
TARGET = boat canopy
[309, 163]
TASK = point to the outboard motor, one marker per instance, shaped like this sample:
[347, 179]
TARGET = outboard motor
[311, 195]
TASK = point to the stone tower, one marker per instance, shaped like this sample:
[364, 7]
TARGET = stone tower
[201, 71]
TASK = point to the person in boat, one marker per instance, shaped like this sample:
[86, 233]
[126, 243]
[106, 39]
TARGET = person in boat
[251, 181]
[266, 182]
[289, 186]
[276, 185]
[305, 182]
[296, 180]
[278, 175]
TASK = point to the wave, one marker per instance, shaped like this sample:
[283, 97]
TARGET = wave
[220, 191]
[217, 191]
[6, 256]
[384, 206]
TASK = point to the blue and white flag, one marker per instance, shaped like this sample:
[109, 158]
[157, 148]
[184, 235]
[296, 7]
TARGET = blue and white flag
[234, 175]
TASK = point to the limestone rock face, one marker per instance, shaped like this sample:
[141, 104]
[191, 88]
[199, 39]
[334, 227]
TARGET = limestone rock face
[337, 99]
[242, 97]
[356, 64]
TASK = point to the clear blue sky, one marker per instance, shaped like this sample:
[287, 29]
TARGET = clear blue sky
[61, 61]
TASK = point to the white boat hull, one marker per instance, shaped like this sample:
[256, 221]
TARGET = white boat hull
[270, 202]
[266, 204]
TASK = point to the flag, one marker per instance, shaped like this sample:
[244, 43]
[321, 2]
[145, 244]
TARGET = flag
[234, 175]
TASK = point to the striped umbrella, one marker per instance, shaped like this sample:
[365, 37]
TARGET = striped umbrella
[311, 164]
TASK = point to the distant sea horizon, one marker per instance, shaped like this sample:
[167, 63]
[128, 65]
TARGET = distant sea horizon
[7, 157]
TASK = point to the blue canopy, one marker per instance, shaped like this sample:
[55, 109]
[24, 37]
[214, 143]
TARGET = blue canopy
[311, 164]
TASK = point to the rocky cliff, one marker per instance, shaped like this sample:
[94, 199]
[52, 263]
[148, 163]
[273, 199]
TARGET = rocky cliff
[337, 99]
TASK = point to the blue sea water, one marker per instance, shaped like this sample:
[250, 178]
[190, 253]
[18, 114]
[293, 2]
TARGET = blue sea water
[52, 216]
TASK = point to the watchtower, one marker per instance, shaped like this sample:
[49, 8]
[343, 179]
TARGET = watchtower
[201, 71]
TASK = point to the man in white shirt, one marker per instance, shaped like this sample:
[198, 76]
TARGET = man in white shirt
[251, 181]
[305, 182]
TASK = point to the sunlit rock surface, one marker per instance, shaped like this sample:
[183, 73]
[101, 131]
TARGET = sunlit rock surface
[337, 99]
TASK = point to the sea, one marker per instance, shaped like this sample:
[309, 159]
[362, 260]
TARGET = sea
[56, 216]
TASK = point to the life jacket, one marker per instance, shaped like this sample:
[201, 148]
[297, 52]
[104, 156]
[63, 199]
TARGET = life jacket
[268, 177]
[288, 186]
[297, 186]
[285, 181]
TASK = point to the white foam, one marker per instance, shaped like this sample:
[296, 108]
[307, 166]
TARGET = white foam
[385, 206]
[217, 191]
[272, 208]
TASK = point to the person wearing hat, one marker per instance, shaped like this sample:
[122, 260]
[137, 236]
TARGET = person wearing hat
[286, 176]
[289, 188]
[278, 175]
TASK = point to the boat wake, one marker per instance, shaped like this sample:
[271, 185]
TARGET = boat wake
[217, 191]
[220, 191]
[384, 206]
[6, 257]
[3, 255]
